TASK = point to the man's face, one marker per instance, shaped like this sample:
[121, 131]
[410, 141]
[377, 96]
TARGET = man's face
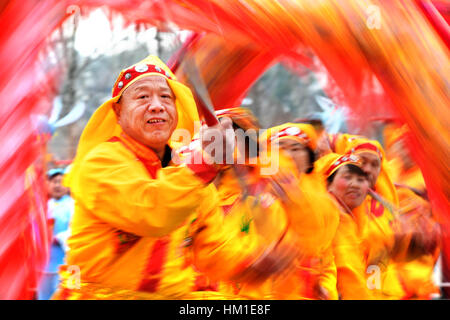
[147, 112]
[297, 152]
[349, 187]
[55, 187]
[371, 165]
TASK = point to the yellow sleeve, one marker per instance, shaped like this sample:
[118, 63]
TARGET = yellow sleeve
[221, 247]
[350, 265]
[225, 246]
[328, 276]
[117, 188]
[312, 215]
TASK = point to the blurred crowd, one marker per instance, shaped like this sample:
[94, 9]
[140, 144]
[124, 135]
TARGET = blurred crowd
[342, 217]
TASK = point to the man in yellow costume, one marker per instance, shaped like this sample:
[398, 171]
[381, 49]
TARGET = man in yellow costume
[137, 215]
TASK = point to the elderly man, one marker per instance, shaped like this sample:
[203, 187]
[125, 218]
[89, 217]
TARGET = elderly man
[141, 222]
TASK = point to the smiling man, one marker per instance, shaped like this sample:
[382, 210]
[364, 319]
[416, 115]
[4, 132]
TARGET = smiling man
[147, 113]
[129, 200]
[140, 220]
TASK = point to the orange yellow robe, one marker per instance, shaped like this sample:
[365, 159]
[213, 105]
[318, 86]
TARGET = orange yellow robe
[361, 248]
[350, 250]
[130, 230]
[313, 221]
[239, 213]
[316, 266]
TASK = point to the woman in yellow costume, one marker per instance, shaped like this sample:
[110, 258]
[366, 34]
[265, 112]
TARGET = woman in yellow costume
[380, 206]
[314, 276]
[349, 185]
[137, 215]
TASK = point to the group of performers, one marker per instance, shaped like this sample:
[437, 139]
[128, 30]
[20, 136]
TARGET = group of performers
[339, 218]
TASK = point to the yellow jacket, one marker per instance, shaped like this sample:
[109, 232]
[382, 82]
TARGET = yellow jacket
[350, 250]
[239, 215]
[131, 230]
[310, 218]
[316, 222]
[362, 248]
